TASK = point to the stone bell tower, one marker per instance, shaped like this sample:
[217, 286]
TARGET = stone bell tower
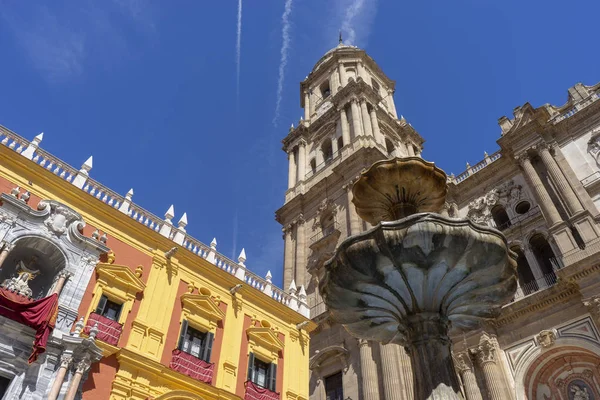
[350, 121]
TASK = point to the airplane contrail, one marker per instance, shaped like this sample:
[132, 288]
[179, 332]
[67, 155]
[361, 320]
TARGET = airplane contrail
[285, 46]
[238, 47]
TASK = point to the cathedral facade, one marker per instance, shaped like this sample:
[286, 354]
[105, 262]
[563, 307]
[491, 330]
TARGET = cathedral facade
[541, 189]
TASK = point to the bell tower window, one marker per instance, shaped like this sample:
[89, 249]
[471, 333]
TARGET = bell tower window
[327, 150]
[375, 85]
[340, 142]
[389, 146]
[325, 90]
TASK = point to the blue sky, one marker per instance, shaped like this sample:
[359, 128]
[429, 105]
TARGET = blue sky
[150, 89]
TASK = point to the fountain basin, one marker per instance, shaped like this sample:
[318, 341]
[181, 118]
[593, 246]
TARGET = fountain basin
[380, 281]
[393, 189]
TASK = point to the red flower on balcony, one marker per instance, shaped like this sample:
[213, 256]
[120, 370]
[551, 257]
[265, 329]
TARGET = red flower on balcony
[109, 331]
[255, 392]
[192, 366]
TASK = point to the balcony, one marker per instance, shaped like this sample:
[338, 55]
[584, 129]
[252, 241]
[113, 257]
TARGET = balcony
[192, 366]
[255, 392]
[327, 231]
[537, 285]
[109, 331]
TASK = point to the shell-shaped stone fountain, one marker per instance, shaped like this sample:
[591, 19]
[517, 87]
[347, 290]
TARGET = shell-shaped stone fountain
[421, 264]
[393, 189]
[417, 273]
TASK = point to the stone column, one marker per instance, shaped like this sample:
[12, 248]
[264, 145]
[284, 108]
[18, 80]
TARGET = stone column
[488, 360]
[561, 182]
[465, 368]
[300, 253]
[390, 101]
[410, 149]
[362, 72]
[288, 265]
[342, 73]
[301, 161]
[62, 278]
[367, 128]
[4, 253]
[334, 146]
[375, 125]
[65, 362]
[306, 105]
[368, 371]
[81, 367]
[355, 118]
[532, 261]
[542, 196]
[291, 169]
[345, 127]
[406, 373]
[354, 222]
[391, 373]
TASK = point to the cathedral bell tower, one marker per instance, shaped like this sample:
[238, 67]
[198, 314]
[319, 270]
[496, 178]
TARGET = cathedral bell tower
[349, 122]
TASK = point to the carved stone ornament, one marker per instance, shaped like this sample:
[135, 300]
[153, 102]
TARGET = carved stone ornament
[6, 219]
[480, 209]
[593, 305]
[463, 362]
[546, 338]
[485, 352]
[60, 217]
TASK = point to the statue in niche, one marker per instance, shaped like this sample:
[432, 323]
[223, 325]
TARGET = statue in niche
[24, 273]
[579, 390]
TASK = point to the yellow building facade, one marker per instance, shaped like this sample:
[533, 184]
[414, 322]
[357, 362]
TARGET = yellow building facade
[171, 317]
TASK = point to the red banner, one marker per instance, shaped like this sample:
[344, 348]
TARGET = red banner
[191, 366]
[255, 392]
[37, 314]
[109, 331]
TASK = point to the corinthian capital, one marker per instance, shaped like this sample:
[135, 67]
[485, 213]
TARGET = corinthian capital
[522, 158]
[485, 352]
[82, 365]
[65, 360]
[593, 305]
[463, 362]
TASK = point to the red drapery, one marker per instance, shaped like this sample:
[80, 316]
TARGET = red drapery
[191, 366]
[109, 331]
[37, 314]
[255, 392]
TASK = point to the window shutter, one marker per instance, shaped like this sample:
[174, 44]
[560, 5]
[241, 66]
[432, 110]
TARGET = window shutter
[184, 326]
[119, 313]
[272, 377]
[101, 305]
[208, 342]
[251, 366]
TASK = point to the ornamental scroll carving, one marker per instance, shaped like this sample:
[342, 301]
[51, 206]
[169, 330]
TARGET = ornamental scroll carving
[480, 210]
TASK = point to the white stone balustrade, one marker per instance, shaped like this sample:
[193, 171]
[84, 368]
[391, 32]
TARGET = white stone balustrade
[478, 167]
[293, 298]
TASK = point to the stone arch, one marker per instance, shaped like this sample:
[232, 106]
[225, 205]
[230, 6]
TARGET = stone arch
[37, 256]
[537, 361]
[179, 395]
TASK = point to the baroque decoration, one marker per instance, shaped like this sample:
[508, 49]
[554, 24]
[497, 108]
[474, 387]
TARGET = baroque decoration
[480, 209]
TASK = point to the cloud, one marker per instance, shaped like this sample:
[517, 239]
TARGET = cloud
[285, 46]
[61, 41]
[357, 18]
[54, 49]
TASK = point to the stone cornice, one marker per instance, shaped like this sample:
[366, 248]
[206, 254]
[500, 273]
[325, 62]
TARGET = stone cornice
[337, 55]
[537, 302]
